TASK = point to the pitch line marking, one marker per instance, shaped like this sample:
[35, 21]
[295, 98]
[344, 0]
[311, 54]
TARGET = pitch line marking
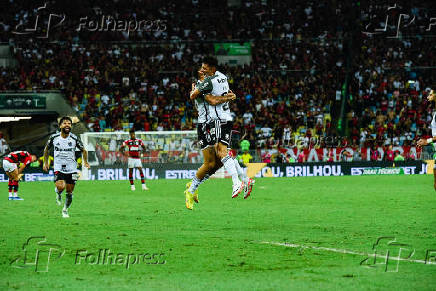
[341, 251]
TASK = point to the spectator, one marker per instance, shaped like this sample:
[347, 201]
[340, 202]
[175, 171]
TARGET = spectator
[245, 158]
[398, 157]
[390, 154]
[4, 147]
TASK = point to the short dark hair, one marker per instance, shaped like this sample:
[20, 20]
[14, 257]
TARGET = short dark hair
[132, 130]
[65, 118]
[211, 61]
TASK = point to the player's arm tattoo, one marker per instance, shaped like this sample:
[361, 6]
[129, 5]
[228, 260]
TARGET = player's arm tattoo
[215, 100]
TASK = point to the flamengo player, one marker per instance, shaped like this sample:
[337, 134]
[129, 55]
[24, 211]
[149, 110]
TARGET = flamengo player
[135, 147]
[10, 165]
[65, 164]
[423, 142]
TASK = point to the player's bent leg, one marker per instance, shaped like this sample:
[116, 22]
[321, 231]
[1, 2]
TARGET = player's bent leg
[15, 188]
[132, 184]
[248, 182]
[141, 173]
[201, 174]
[13, 175]
[11, 189]
[223, 153]
[68, 198]
[59, 188]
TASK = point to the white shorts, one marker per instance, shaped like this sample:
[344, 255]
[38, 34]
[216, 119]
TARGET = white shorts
[134, 163]
[8, 166]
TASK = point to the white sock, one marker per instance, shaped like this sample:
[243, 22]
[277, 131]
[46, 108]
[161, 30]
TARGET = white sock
[240, 171]
[15, 194]
[229, 165]
[10, 194]
[204, 179]
[194, 185]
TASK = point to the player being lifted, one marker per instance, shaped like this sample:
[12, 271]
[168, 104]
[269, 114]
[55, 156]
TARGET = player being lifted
[206, 140]
[65, 164]
[423, 142]
[216, 84]
[10, 165]
[136, 146]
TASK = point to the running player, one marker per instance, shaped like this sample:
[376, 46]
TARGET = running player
[216, 84]
[14, 172]
[423, 142]
[136, 146]
[65, 164]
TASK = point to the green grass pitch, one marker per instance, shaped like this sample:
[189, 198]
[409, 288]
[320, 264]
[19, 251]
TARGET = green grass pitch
[223, 243]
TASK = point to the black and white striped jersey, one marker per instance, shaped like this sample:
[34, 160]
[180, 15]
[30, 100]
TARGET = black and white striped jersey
[64, 152]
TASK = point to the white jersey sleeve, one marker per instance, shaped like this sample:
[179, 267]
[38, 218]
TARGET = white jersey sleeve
[217, 85]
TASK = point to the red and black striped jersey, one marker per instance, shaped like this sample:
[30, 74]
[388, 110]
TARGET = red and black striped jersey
[135, 147]
[19, 157]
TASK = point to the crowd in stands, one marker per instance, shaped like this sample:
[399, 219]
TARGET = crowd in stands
[114, 87]
[190, 20]
[391, 81]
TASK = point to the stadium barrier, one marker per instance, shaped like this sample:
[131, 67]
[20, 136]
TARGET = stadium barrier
[337, 169]
[187, 171]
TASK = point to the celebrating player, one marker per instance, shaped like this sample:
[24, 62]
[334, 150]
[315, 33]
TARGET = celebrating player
[423, 142]
[135, 147]
[65, 164]
[206, 141]
[216, 84]
[10, 165]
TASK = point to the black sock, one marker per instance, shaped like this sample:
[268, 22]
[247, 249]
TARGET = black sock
[68, 200]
